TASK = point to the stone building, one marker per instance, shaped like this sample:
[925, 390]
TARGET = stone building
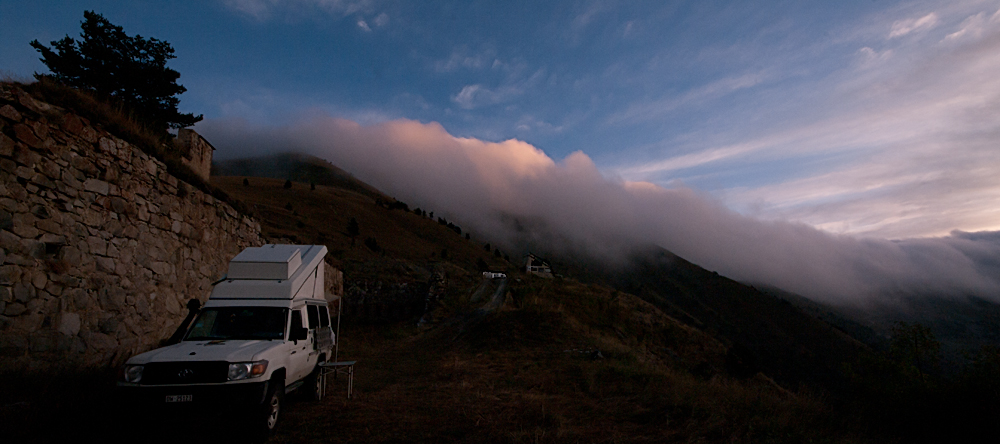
[196, 152]
[537, 266]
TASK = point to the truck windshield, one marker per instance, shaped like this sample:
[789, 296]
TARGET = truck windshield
[239, 323]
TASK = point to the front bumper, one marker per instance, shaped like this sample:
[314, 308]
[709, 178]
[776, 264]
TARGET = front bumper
[217, 398]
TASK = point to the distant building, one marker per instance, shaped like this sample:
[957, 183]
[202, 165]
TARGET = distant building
[196, 152]
[537, 266]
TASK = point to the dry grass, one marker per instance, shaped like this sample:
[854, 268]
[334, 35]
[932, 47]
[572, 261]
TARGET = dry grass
[427, 387]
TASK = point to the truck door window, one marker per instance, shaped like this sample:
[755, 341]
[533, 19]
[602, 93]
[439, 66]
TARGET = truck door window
[324, 317]
[313, 316]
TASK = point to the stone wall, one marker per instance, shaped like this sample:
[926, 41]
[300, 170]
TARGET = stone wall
[101, 247]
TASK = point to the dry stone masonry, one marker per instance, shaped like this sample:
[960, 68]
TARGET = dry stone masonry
[100, 247]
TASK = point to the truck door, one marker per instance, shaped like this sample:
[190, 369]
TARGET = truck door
[313, 312]
[300, 360]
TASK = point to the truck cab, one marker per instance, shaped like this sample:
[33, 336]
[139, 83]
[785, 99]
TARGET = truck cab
[262, 333]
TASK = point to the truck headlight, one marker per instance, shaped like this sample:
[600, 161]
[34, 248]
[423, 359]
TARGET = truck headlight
[132, 373]
[244, 370]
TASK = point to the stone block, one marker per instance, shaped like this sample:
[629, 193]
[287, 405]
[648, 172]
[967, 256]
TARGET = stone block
[42, 181]
[115, 227]
[89, 134]
[100, 341]
[24, 172]
[51, 169]
[111, 298]
[142, 307]
[25, 134]
[39, 279]
[15, 309]
[130, 231]
[97, 245]
[25, 156]
[29, 102]
[43, 342]
[10, 112]
[23, 292]
[41, 128]
[112, 174]
[117, 204]
[107, 145]
[8, 165]
[90, 217]
[66, 280]
[53, 231]
[10, 274]
[108, 326]
[84, 165]
[6, 145]
[71, 255]
[80, 297]
[27, 322]
[105, 264]
[35, 250]
[41, 212]
[69, 324]
[161, 268]
[54, 288]
[96, 186]
[72, 124]
[6, 295]
[70, 179]
[18, 260]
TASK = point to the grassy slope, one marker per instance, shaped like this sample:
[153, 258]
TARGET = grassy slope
[411, 245]
[529, 372]
[765, 333]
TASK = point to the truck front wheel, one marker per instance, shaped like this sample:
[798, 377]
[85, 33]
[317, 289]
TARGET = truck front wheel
[266, 419]
[272, 410]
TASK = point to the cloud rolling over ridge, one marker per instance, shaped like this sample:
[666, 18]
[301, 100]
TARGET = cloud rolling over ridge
[513, 193]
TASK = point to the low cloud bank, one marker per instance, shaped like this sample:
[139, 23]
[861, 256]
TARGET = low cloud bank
[513, 193]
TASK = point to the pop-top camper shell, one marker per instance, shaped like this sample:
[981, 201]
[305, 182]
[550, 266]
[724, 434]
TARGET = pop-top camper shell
[274, 272]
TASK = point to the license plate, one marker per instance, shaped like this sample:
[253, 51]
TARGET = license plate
[180, 398]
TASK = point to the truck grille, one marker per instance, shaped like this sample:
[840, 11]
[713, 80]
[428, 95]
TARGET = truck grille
[158, 373]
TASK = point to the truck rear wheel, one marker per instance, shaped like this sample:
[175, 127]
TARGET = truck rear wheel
[314, 383]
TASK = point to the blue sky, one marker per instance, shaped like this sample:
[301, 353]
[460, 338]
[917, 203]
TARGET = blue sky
[871, 118]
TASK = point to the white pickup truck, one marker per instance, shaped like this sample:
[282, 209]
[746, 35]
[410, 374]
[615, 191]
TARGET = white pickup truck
[261, 334]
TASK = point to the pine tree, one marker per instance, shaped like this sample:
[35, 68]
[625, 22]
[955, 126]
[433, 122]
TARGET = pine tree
[130, 70]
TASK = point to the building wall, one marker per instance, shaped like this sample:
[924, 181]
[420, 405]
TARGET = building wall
[100, 248]
[199, 152]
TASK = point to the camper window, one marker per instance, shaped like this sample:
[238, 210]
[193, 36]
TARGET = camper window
[313, 312]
